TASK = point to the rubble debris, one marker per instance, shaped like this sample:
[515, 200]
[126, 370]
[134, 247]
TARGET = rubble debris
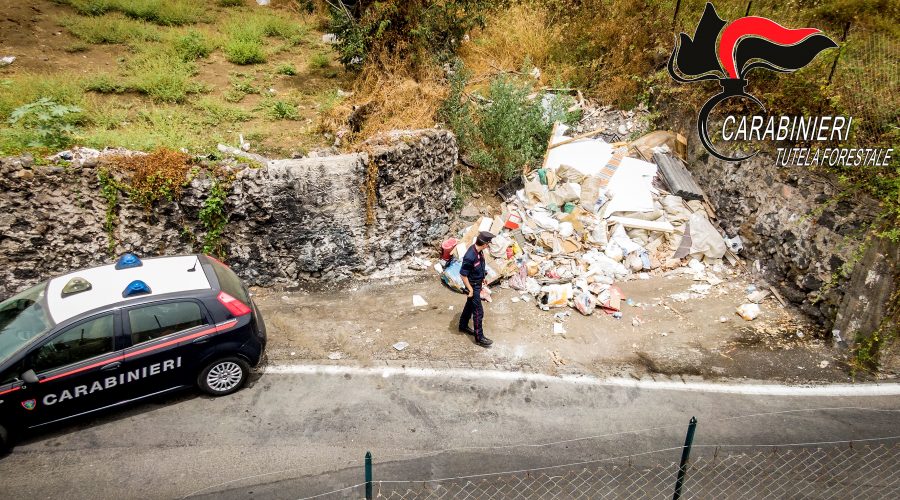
[748, 311]
[400, 345]
[594, 214]
[7, 60]
[758, 296]
[677, 176]
[335, 356]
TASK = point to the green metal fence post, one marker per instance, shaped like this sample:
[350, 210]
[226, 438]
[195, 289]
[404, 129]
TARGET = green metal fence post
[685, 455]
[838, 55]
[368, 475]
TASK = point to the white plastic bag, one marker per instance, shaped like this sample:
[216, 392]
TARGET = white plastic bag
[585, 303]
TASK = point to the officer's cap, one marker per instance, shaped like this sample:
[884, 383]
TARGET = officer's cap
[485, 237]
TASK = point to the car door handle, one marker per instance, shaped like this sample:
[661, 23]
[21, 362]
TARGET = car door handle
[200, 340]
[112, 366]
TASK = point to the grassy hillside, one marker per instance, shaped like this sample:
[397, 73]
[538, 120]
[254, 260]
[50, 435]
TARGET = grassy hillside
[160, 73]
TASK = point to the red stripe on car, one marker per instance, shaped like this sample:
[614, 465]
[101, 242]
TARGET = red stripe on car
[216, 329]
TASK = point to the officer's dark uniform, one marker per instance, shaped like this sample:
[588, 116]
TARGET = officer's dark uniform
[473, 267]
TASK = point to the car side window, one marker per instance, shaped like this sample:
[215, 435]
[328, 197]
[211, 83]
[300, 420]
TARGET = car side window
[158, 320]
[78, 343]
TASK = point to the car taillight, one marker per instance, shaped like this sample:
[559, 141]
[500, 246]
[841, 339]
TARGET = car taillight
[234, 306]
[210, 257]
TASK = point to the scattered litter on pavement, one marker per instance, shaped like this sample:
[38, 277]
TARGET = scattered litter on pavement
[748, 311]
[335, 356]
[558, 328]
[758, 296]
[823, 364]
[6, 60]
[418, 301]
[401, 345]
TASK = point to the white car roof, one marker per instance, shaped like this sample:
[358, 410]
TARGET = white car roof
[162, 275]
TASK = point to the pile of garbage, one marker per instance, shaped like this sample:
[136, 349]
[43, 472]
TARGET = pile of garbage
[595, 214]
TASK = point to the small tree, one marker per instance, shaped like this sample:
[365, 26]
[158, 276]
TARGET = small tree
[51, 122]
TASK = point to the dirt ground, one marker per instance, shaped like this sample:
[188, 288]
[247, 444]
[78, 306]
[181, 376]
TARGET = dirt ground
[657, 335]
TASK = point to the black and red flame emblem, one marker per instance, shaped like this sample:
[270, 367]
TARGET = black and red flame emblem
[746, 43]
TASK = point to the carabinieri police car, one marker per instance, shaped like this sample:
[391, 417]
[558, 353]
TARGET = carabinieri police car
[106, 336]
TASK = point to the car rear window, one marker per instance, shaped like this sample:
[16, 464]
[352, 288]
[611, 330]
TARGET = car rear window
[158, 320]
[229, 282]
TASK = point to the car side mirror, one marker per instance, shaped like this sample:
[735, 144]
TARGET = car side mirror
[30, 377]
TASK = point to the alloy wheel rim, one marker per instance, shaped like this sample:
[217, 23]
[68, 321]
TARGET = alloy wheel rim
[224, 376]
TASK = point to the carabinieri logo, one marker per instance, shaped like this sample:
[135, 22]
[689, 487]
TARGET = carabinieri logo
[747, 43]
[29, 404]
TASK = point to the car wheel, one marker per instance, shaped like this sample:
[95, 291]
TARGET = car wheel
[223, 376]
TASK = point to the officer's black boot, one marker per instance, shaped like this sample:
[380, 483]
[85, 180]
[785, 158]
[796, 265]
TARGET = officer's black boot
[466, 330]
[484, 341]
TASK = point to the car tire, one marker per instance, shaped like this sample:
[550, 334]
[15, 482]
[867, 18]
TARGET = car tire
[5, 444]
[223, 376]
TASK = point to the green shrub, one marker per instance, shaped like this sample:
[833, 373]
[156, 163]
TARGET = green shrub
[414, 31]
[51, 122]
[162, 75]
[246, 35]
[193, 45]
[244, 51]
[163, 12]
[104, 84]
[279, 110]
[509, 132]
[92, 7]
[319, 60]
[215, 114]
[284, 28]
[110, 29]
[286, 69]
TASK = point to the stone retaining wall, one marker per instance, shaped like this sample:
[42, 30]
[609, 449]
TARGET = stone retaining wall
[289, 221]
[800, 232]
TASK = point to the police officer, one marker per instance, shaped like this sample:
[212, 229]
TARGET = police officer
[472, 272]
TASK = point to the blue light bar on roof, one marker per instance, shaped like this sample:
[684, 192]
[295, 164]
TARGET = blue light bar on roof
[136, 287]
[128, 260]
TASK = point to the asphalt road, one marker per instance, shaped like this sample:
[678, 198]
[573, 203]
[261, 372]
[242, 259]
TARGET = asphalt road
[298, 435]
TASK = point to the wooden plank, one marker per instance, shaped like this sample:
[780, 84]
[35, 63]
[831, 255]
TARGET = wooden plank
[650, 225]
[578, 137]
[777, 296]
[549, 146]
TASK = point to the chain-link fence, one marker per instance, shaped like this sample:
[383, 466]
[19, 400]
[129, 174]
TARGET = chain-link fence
[844, 470]
[837, 471]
